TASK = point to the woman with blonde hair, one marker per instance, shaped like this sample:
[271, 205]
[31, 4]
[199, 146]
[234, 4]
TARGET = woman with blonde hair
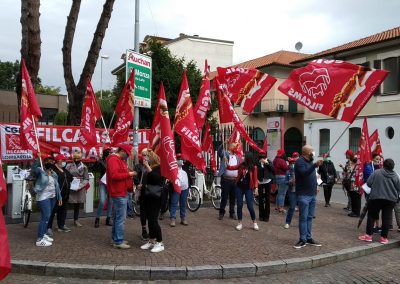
[77, 196]
[151, 188]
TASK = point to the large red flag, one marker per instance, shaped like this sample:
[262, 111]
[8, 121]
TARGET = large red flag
[91, 112]
[155, 134]
[30, 111]
[203, 103]
[124, 110]
[168, 163]
[375, 145]
[186, 127]
[332, 87]
[235, 138]
[208, 147]
[364, 155]
[5, 260]
[245, 86]
[225, 114]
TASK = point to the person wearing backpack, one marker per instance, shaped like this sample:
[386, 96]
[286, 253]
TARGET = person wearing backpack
[328, 176]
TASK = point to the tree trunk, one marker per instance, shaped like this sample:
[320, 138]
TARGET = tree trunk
[30, 42]
[76, 92]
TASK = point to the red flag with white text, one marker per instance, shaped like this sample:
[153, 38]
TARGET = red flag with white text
[125, 110]
[364, 155]
[186, 127]
[168, 163]
[155, 134]
[5, 260]
[203, 102]
[208, 147]
[245, 87]
[91, 112]
[30, 111]
[332, 87]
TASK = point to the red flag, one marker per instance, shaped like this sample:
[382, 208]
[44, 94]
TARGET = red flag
[168, 163]
[91, 112]
[208, 147]
[224, 105]
[155, 134]
[364, 155]
[332, 87]
[375, 145]
[203, 103]
[245, 86]
[125, 109]
[5, 260]
[235, 138]
[186, 127]
[30, 110]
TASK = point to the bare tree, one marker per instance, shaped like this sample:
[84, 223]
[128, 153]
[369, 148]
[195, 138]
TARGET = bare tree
[76, 92]
[31, 42]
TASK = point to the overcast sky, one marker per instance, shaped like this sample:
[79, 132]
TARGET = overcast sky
[257, 27]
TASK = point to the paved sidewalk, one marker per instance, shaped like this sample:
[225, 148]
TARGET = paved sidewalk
[206, 241]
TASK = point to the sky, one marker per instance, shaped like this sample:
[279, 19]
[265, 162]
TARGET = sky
[257, 27]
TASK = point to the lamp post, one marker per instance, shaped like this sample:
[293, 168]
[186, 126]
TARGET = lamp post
[101, 74]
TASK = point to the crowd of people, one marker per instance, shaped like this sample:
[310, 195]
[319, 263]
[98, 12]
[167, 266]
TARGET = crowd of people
[295, 180]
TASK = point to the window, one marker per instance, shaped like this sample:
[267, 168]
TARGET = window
[258, 136]
[354, 138]
[391, 85]
[378, 65]
[389, 132]
[48, 115]
[324, 137]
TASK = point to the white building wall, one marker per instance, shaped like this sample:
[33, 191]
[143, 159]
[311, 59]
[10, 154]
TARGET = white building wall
[390, 147]
[218, 54]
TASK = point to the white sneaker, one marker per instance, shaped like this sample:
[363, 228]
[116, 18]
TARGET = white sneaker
[147, 245]
[239, 227]
[49, 232]
[158, 247]
[43, 243]
[255, 226]
[48, 238]
[286, 226]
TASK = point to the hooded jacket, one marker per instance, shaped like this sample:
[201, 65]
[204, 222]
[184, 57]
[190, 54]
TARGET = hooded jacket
[118, 179]
[384, 184]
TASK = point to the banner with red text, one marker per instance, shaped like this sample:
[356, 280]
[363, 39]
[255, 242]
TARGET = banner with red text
[333, 87]
[61, 139]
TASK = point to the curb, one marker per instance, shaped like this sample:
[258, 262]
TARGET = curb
[116, 272]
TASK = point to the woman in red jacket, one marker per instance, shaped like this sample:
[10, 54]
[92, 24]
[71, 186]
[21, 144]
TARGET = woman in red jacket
[246, 183]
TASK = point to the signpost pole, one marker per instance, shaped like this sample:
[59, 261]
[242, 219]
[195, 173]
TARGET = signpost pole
[136, 114]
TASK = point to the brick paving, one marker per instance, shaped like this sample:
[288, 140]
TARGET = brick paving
[205, 241]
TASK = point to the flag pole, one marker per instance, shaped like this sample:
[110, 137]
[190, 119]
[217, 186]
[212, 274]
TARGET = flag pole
[109, 126]
[104, 124]
[37, 140]
[337, 140]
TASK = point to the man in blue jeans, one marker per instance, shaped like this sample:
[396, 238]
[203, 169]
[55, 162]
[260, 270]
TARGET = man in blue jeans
[306, 191]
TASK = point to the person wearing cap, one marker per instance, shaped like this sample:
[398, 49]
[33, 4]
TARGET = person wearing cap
[64, 181]
[280, 167]
[77, 197]
[265, 179]
[328, 175]
[291, 181]
[228, 178]
[119, 179]
[180, 197]
[47, 194]
[100, 165]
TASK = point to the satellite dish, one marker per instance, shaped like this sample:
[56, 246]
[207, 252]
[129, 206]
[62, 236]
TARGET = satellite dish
[298, 46]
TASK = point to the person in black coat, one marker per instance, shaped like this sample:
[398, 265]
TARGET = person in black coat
[265, 179]
[328, 175]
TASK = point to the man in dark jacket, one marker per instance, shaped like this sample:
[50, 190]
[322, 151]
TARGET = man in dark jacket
[306, 190]
[328, 176]
[265, 179]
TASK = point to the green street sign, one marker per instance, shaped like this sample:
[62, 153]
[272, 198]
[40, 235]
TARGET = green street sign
[142, 66]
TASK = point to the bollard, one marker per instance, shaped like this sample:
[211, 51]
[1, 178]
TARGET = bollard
[88, 207]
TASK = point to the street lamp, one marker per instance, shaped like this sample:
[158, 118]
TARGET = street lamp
[101, 74]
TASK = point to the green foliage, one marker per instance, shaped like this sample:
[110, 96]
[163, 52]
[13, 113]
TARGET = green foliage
[61, 118]
[107, 105]
[47, 90]
[8, 74]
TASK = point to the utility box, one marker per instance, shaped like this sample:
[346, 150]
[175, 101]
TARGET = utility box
[88, 207]
[15, 197]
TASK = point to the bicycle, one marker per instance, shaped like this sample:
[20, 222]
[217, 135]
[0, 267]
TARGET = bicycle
[214, 193]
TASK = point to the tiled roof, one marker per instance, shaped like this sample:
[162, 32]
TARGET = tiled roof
[370, 40]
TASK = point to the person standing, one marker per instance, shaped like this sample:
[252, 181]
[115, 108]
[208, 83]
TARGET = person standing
[132, 161]
[265, 179]
[180, 197]
[306, 191]
[348, 172]
[47, 193]
[64, 181]
[79, 173]
[152, 204]
[101, 166]
[280, 167]
[228, 178]
[291, 181]
[385, 192]
[328, 176]
[119, 179]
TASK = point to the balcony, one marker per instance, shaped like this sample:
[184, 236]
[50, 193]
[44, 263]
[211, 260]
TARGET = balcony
[278, 105]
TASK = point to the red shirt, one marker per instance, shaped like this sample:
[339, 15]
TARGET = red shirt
[280, 166]
[118, 179]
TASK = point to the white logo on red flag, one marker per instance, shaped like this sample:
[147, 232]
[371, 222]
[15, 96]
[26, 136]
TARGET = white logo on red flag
[315, 82]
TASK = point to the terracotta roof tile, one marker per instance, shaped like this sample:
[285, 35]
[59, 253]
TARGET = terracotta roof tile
[373, 39]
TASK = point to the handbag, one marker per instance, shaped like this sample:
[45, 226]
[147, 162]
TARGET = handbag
[153, 191]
